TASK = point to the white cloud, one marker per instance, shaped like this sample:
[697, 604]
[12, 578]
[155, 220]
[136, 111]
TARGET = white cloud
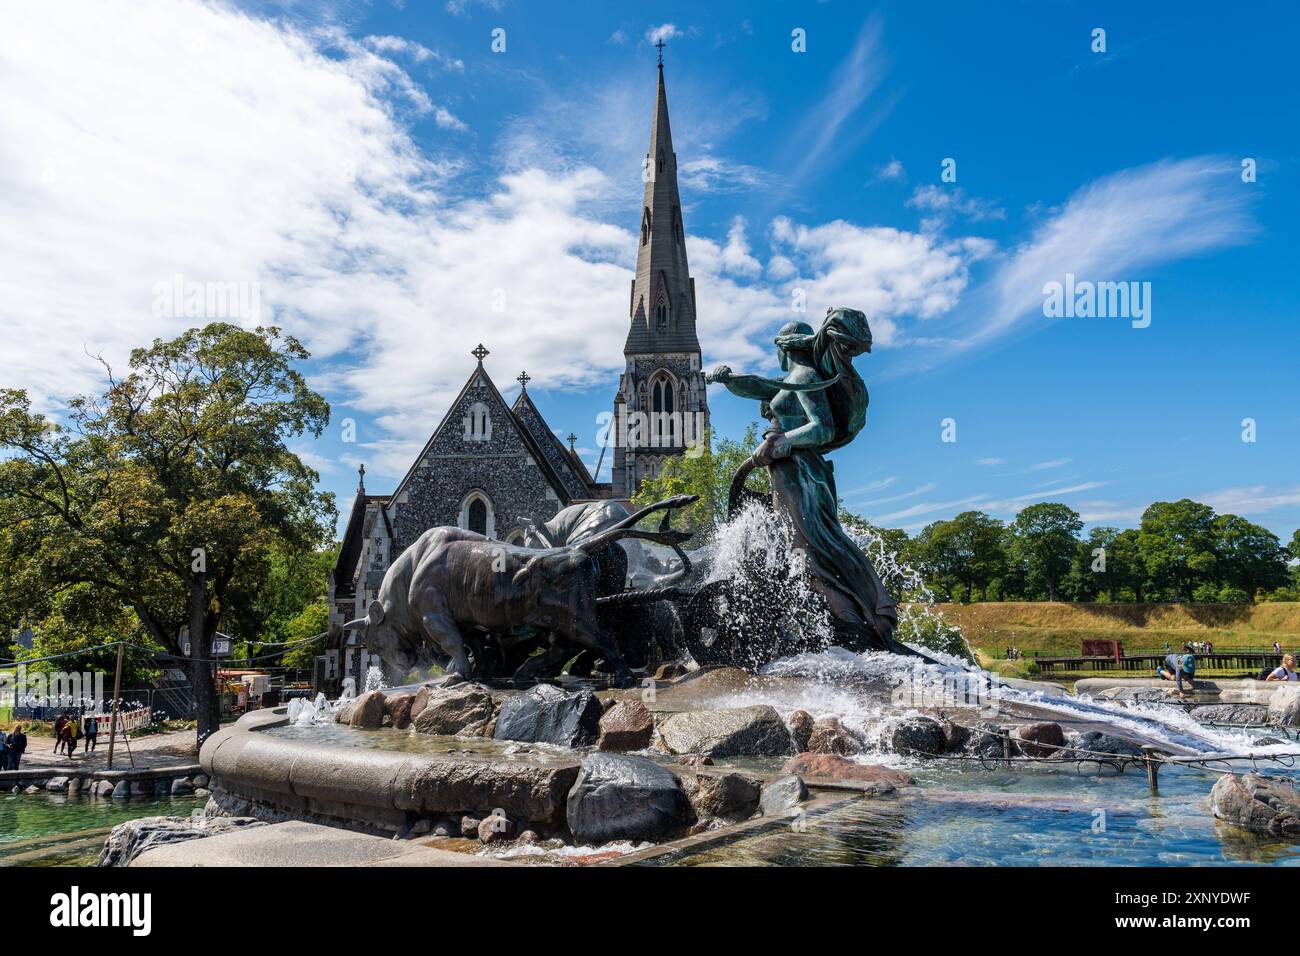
[885, 272]
[665, 32]
[891, 171]
[944, 203]
[1119, 225]
[416, 51]
[1053, 463]
[990, 461]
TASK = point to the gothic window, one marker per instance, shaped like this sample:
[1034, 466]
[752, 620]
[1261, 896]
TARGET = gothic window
[478, 423]
[661, 162]
[678, 232]
[661, 315]
[663, 423]
[645, 227]
[476, 514]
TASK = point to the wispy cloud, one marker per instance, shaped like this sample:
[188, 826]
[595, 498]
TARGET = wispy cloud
[1051, 463]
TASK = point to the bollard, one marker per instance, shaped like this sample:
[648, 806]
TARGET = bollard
[1152, 758]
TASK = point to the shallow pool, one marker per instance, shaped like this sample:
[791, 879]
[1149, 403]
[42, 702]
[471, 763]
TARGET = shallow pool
[1035, 817]
[54, 829]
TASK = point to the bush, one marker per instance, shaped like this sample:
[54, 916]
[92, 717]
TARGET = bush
[1206, 594]
[1231, 595]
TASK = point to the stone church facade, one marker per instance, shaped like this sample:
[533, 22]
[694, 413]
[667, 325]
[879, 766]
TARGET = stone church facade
[489, 464]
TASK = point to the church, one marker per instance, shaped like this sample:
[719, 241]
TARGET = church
[490, 464]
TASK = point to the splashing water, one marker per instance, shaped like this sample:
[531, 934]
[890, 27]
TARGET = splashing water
[375, 678]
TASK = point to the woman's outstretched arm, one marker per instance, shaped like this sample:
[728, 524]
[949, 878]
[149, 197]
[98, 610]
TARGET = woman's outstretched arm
[743, 386]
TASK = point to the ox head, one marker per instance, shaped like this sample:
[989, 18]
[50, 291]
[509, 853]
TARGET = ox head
[401, 652]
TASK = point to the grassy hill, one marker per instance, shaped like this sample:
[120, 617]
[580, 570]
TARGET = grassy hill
[1058, 630]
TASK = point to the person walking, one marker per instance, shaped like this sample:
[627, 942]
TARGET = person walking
[4, 750]
[92, 734]
[73, 730]
[59, 724]
[17, 746]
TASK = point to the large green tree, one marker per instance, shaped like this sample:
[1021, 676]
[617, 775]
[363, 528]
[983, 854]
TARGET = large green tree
[1177, 543]
[1249, 558]
[169, 493]
[964, 554]
[1044, 537]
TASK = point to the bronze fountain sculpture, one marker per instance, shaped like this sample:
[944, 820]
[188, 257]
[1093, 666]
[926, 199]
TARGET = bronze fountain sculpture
[485, 609]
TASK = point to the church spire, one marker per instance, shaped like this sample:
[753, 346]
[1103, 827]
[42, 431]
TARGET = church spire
[662, 306]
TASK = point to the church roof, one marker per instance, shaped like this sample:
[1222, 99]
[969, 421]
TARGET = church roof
[562, 462]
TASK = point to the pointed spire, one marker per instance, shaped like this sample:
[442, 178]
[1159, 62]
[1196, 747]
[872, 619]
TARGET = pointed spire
[662, 307]
[361, 478]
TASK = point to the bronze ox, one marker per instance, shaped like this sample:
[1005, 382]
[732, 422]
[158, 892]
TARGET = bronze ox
[453, 587]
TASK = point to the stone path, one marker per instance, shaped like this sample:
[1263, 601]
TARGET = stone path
[156, 750]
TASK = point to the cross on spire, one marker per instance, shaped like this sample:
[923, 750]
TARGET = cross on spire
[661, 46]
[480, 353]
[523, 379]
[572, 439]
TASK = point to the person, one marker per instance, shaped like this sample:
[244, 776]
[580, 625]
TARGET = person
[1179, 668]
[17, 746]
[4, 750]
[818, 406]
[1286, 671]
[73, 730]
[92, 734]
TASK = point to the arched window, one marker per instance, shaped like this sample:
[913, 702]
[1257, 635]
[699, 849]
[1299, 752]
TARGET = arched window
[645, 226]
[661, 315]
[661, 164]
[662, 402]
[477, 515]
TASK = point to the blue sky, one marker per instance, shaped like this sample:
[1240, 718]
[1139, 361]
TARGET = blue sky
[382, 176]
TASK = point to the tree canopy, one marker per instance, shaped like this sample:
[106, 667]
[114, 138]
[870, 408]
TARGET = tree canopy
[172, 493]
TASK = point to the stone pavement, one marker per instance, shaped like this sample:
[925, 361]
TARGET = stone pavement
[295, 843]
[178, 747]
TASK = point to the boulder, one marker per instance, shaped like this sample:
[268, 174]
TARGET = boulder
[128, 840]
[919, 736]
[529, 837]
[695, 760]
[181, 787]
[782, 795]
[446, 827]
[104, 788]
[955, 736]
[469, 827]
[1284, 706]
[368, 711]
[32, 789]
[56, 784]
[756, 731]
[464, 710]
[667, 672]
[343, 713]
[834, 767]
[420, 702]
[493, 828]
[728, 796]
[547, 715]
[628, 725]
[801, 728]
[1099, 743]
[397, 710]
[985, 741]
[161, 787]
[829, 736]
[1257, 803]
[1041, 739]
[122, 789]
[200, 781]
[619, 797]
[1230, 713]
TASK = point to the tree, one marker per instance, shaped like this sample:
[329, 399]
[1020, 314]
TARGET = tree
[1082, 582]
[1177, 543]
[1250, 559]
[708, 475]
[963, 554]
[169, 493]
[1044, 537]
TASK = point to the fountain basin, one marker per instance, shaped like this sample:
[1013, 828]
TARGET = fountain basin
[279, 778]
